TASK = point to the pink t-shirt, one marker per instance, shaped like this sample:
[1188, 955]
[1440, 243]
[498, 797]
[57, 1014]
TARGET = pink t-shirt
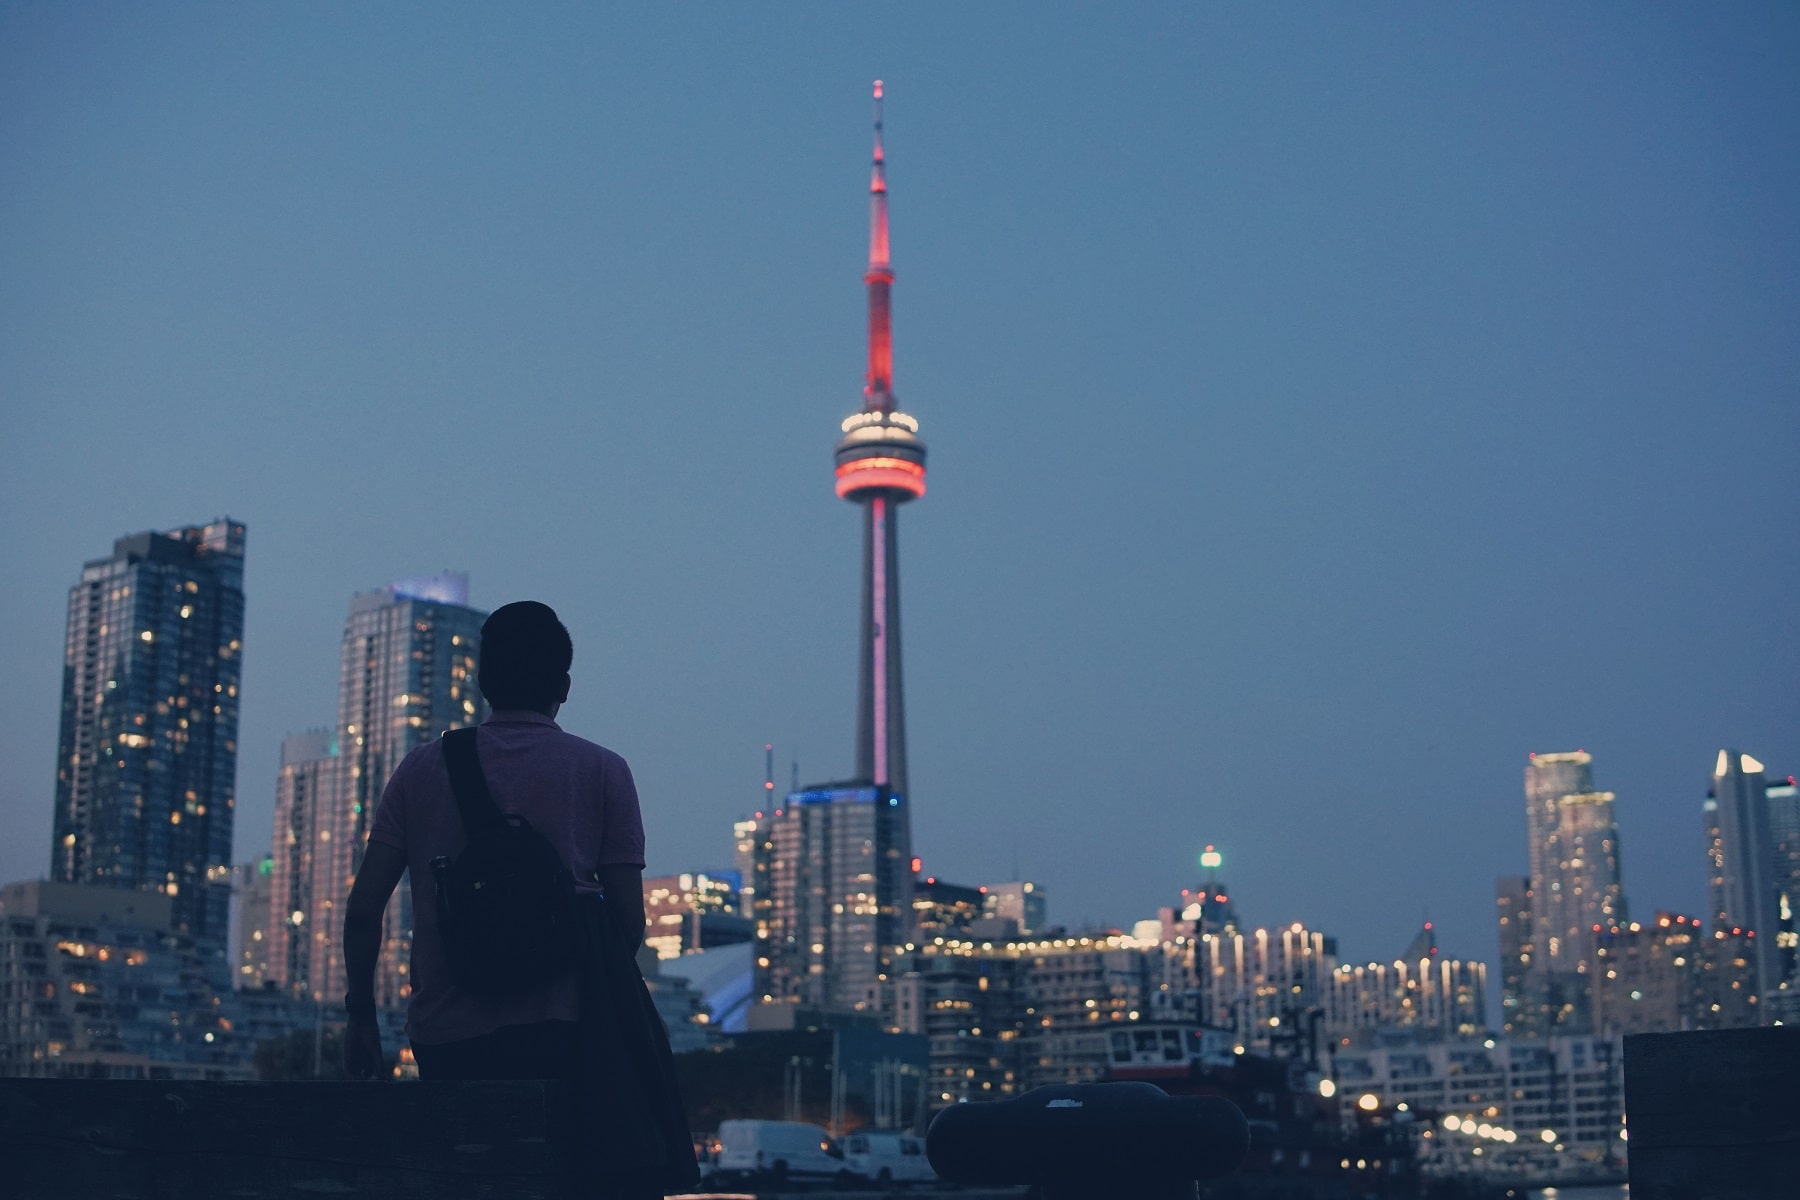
[578, 795]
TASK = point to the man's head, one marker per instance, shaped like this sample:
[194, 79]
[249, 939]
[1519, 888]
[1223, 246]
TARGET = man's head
[525, 657]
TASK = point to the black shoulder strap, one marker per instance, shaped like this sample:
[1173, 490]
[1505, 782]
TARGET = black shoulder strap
[467, 783]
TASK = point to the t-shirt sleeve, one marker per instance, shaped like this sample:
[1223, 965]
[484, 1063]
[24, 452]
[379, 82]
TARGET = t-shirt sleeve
[622, 835]
[389, 826]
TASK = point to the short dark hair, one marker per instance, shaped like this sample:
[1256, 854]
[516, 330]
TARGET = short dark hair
[525, 656]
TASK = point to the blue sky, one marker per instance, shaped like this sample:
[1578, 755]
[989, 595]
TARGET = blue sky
[1327, 406]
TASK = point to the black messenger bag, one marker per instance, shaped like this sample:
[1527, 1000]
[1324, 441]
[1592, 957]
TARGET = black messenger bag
[506, 905]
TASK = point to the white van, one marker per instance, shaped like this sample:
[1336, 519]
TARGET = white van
[779, 1151]
[888, 1157]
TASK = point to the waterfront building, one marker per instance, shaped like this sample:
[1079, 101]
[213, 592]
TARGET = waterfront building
[147, 746]
[1569, 1086]
[1269, 987]
[1422, 995]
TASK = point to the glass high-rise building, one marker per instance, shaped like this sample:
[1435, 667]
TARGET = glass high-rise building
[1743, 892]
[303, 915]
[834, 915]
[146, 761]
[1548, 778]
[1587, 896]
[406, 674]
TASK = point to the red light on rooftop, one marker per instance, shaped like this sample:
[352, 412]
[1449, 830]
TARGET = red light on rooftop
[918, 864]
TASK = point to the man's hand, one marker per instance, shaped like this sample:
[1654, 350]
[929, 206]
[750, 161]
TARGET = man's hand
[362, 1049]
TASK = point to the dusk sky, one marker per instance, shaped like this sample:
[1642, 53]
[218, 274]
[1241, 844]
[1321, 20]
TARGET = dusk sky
[1328, 405]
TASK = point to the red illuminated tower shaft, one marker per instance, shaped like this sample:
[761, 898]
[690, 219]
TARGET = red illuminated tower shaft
[880, 465]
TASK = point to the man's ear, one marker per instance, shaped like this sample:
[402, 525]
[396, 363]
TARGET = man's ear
[564, 698]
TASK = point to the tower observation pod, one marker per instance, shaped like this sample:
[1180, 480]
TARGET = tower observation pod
[880, 465]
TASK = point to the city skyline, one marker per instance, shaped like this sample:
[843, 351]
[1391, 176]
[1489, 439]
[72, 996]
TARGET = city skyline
[1311, 449]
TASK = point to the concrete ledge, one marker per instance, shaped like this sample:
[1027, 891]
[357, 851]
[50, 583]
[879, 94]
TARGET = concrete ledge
[146, 1140]
[1714, 1115]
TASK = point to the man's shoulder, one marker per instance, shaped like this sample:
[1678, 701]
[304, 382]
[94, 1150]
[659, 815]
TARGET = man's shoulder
[421, 760]
[589, 753]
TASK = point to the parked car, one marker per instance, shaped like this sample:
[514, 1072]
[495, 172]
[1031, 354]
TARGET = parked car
[888, 1157]
[780, 1152]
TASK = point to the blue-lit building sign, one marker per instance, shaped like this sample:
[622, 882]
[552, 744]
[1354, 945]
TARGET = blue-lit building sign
[846, 794]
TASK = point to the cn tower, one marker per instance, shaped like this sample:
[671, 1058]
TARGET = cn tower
[880, 465]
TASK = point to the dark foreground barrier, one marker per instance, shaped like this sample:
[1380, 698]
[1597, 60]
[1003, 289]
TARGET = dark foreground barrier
[88, 1140]
[1120, 1141]
[1714, 1115]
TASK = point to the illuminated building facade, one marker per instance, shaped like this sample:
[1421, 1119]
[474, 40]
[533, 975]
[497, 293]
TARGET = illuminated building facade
[406, 674]
[1267, 986]
[97, 982]
[1570, 1087]
[833, 920]
[1522, 1012]
[303, 925]
[1423, 994]
[1647, 977]
[1743, 891]
[1005, 1017]
[1020, 901]
[1586, 895]
[1574, 894]
[147, 750]
[252, 891]
[693, 911]
[943, 908]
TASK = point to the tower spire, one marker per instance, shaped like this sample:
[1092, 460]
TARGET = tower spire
[878, 392]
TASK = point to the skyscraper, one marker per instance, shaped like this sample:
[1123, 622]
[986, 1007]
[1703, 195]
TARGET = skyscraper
[1741, 858]
[1548, 778]
[1784, 827]
[301, 924]
[147, 751]
[1586, 896]
[832, 923]
[839, 855]
[406, 673]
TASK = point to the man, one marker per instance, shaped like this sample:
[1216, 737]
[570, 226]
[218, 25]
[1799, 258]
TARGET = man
[578, 795]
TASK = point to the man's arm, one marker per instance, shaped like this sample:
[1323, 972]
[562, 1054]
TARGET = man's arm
[624, 886]
[382, 867]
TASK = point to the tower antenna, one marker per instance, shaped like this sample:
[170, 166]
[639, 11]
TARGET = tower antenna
[878, 391]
